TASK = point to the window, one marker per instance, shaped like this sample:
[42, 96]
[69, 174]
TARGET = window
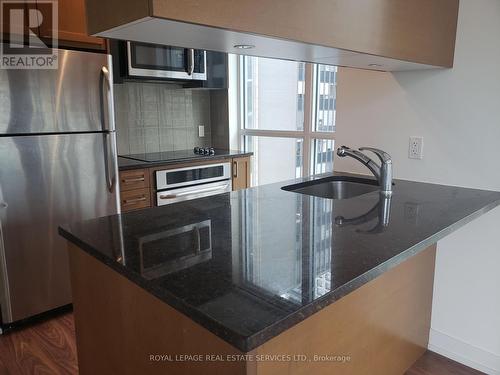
[325, 90]
[287, 117]
[276, 158]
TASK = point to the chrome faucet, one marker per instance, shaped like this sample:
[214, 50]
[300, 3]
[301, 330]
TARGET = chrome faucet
[382, 172]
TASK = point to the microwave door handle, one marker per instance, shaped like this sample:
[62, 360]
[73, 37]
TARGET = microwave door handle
[184, 193]
[190, 69]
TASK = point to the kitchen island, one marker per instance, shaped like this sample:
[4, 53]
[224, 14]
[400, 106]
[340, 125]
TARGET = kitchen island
[264, 281]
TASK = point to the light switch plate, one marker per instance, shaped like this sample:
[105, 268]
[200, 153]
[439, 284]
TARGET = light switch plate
[201, 131]
[416, 148]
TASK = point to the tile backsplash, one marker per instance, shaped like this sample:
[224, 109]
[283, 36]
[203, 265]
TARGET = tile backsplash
[154, 117]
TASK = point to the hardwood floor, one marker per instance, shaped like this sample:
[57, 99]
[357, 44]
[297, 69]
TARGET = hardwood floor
[48, 348]
[434, 364]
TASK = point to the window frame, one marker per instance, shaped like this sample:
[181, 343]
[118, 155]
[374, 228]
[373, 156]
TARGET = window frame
[308, 134]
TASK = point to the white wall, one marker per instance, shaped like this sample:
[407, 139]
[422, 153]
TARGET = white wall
[457, 112]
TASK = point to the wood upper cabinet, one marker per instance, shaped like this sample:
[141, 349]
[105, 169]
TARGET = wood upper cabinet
[386, 35]
[72, 26]
[241, 173]
[18, 31]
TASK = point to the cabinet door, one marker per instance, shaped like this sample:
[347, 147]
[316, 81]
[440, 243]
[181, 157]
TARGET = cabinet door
[217, 76]
[72, 26]
[241, 173]
[16, 33]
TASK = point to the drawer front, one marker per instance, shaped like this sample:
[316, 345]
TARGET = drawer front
[134, 179]
[135, 199]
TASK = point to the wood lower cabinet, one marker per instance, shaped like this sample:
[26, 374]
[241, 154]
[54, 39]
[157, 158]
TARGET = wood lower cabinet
[241, 173]
[135, 199]
[138, 190]
[135, 190]
[381, 328]
[134, 179]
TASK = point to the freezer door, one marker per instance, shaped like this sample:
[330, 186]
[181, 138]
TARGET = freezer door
[46, 181]
[69, 99]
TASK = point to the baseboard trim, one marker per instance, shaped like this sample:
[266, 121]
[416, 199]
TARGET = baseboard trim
[464, 353]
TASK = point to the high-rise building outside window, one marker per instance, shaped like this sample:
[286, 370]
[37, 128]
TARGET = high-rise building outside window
[287, 117]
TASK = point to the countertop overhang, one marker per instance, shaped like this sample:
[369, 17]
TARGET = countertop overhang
[277, 257]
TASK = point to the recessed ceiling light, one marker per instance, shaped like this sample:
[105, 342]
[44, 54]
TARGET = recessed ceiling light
[375, 65]
[244, 46]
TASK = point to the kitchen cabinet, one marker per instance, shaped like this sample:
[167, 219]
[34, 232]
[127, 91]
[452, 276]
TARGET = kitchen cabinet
[217, 72]
[135, 190]
[138, 186]
[134, 179]
[217, 69]
[383, 35]
[135, 199]
[241, 173]
[71, 25]
[72, 28]
[15, 32]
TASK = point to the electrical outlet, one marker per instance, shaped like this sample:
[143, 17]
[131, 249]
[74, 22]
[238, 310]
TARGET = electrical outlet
[416, 148]
[201, 131]
[411, 212]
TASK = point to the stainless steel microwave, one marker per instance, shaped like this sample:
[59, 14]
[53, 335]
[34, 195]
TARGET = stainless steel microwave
[158, 61]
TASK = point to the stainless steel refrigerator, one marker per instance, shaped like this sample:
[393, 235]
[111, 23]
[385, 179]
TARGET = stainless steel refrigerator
[58, 164]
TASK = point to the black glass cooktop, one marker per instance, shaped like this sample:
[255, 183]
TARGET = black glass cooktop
[165, 156]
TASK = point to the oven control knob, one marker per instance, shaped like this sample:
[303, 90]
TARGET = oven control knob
[211, 151]
[196, 150]
[206, 151]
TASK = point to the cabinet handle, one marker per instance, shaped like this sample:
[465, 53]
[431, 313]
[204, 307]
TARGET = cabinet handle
[130, 180]
[132, 201]
[235, 169]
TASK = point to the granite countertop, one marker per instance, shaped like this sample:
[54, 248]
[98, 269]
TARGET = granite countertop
[269, 258]
[152, 159]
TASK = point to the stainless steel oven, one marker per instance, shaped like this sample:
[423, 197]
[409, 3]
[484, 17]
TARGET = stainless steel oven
[175, 185]
[158, 61]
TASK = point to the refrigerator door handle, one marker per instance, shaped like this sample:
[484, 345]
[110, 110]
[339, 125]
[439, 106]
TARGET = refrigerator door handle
[5, 305]
[109, 157]
[110, 154]
[106, 98]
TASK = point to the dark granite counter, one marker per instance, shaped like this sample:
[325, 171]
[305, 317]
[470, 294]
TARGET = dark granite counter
[248, 265]
[154, 159]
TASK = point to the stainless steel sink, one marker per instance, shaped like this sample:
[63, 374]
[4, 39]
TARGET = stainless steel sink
[335, 187]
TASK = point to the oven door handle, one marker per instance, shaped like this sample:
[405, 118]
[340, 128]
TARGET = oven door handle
[190, 67]
[184, 193]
